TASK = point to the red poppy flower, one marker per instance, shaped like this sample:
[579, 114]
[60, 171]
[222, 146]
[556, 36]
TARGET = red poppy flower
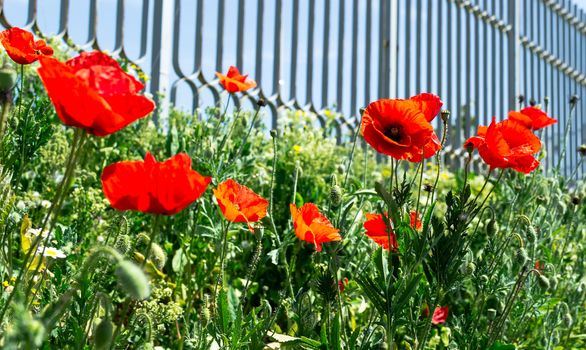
[440, 315]
[533, 118]
[342, 284]
[153, 187]
[415, 222]
[239, 203]
[312, 226]
[21, 46]
[92, 92]
[401, 128]
[234, 81]
[507, 144]
[376, 229]
[539, 265]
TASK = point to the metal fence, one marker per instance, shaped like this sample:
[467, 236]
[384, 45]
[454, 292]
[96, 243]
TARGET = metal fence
[323, 55]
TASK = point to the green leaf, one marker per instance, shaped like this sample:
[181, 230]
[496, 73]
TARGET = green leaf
[335, 336]
[408, 292]
[226, 314]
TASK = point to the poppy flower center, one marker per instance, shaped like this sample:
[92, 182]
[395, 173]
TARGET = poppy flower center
[394, 133]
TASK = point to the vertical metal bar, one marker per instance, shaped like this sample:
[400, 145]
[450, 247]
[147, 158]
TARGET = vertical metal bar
[367, 49]
[468, 78]
[144, 28]
[119, 41]
[485, 60]
[32, 13]
[449, 63]
[381, 49]
[156, 51]
[340, 78]
[392, 14]
[93, 22]
[539, 76]
[458, 79]
[408, 49]
[531, 35]
[240, 35]
[439, 53]
[324, 65]
[477, 66]
[513, 52]
[220, 36]
[198, 35]
[277, 49]
[294, 44]
[63, 17]
[418, 40]
[494, 33]
[259, 34]
[310, 44]
[429, 56]
[353, 72]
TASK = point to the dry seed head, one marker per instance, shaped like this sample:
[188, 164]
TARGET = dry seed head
[445, 115]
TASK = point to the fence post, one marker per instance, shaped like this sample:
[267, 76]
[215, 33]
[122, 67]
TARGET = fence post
[394, 51]
[513, 52]
[161, 56]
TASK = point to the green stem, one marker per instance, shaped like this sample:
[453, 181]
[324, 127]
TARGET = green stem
[429, 318]
[222, 257]
[241, 148]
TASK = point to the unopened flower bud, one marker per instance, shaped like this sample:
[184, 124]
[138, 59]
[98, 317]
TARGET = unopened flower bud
[123, 244]
[158, 256]
[492, 228]
[103, 334]
[553, 282]
[261, 102]
[543, 282]
[445, 115]
[491, 314]
[483, 279]
[470, 268]
[7, 78]
[133, 280]
[335, 196]
[568, 320]
[521, 257]
[531, 234]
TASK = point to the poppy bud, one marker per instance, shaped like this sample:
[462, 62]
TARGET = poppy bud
[123, 244]
[342, 170]
[445, 114]
[133, 280]
[553, 283]
[148, 346]
[582, 150]
[521, 99]
[574, 99]
[483, 279]
[335, 196]
[492, 228]
[158, 256]
[103, 334]
[532, 102]
[274, 133]
[568, 320]
[470, 268]
[261, 102]
[491, 314]
[521, 257]
[142, 241]
[543, 282]
[7, 78]
[531, 234]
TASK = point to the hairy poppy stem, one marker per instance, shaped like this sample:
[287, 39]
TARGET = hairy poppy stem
[565, 139]
[222, 116]
[6, 104]
[252, 123]
[220, 278]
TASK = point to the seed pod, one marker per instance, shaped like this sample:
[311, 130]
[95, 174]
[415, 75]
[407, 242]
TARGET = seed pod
[261, 102]
[582, 150]
[274, 133]
[532, 102]
[103, 334]
[445, 115]
[543, 282]
[133, 280]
